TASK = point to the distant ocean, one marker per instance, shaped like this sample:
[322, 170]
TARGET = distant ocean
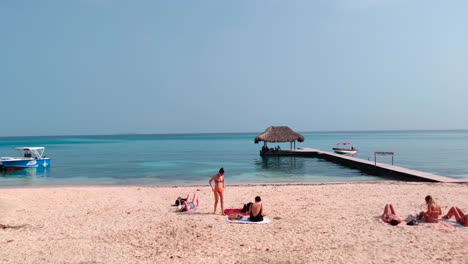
[190, 159]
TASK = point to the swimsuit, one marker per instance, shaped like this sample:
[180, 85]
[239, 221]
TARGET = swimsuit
[218, 181]
[258, 217]
[435, 212]
[191, 205]
[389, 218]
[219, 190]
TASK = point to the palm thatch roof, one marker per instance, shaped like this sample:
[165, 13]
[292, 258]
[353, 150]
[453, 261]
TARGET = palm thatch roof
[279, 134]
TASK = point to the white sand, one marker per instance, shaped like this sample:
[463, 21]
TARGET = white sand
[329, 223]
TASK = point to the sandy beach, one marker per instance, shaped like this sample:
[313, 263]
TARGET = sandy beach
[321, 223]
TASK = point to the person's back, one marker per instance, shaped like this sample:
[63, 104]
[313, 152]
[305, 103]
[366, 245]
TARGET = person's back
[256, 210]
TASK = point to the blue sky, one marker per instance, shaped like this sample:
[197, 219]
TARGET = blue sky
[112, 67]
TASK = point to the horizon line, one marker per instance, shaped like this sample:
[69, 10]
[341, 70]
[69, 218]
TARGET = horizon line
[251, 132]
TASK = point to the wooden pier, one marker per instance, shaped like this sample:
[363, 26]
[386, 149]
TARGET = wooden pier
[366, 166]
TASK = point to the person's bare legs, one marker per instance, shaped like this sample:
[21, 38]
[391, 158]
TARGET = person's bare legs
[389, 214]
[196, 200]
[451, 212]
[190, 197]
[386, 211]
[221, 195]
[458, 213]
[216, 201]
[460, 216]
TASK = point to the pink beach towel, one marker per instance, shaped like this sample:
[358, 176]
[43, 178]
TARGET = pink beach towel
[234, 211]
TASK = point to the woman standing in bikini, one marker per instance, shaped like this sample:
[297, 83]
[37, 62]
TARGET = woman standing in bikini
[218, 189]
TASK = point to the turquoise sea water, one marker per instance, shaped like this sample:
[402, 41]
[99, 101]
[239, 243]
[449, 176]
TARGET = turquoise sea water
[186, 159]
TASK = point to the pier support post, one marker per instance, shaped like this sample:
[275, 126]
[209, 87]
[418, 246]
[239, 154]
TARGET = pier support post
[381, 153]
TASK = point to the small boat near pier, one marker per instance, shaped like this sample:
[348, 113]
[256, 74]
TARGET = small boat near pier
[346, 148]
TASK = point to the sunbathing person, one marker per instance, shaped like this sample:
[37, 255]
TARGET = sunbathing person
[389, 215]
[433, 211]
[256, 210]
[192, 202]
[461, 218]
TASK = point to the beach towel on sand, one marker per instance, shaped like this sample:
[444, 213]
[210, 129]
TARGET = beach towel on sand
[454, 223]
[245, 220]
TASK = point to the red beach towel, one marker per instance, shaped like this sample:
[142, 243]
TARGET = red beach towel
[234, 211]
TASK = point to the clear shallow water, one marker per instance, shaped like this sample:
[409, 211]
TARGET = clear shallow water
[193, 158]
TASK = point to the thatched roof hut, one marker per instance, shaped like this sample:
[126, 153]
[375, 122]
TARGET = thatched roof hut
[279, 134]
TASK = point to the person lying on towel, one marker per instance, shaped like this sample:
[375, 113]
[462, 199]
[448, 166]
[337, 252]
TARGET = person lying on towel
[256, 210]
[389, 215]
[461, 218]
[192, 202]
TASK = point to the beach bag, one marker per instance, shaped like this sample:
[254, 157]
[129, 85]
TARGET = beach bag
[413, 222]
[246, 207]
[235, 216]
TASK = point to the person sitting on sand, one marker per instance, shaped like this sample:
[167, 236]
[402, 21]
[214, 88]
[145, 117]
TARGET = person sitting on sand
[256, 210]
[192, 202]
[389, 215]
[433, 211]
[461, 218]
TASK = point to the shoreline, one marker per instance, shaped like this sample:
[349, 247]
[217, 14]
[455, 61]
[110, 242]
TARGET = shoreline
[227, 185]
[309, 223]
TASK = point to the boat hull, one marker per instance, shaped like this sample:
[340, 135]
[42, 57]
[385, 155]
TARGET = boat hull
[345, 151]
[24, 162]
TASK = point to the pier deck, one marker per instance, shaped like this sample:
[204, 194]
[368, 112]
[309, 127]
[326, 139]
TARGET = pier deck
[366, 166]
